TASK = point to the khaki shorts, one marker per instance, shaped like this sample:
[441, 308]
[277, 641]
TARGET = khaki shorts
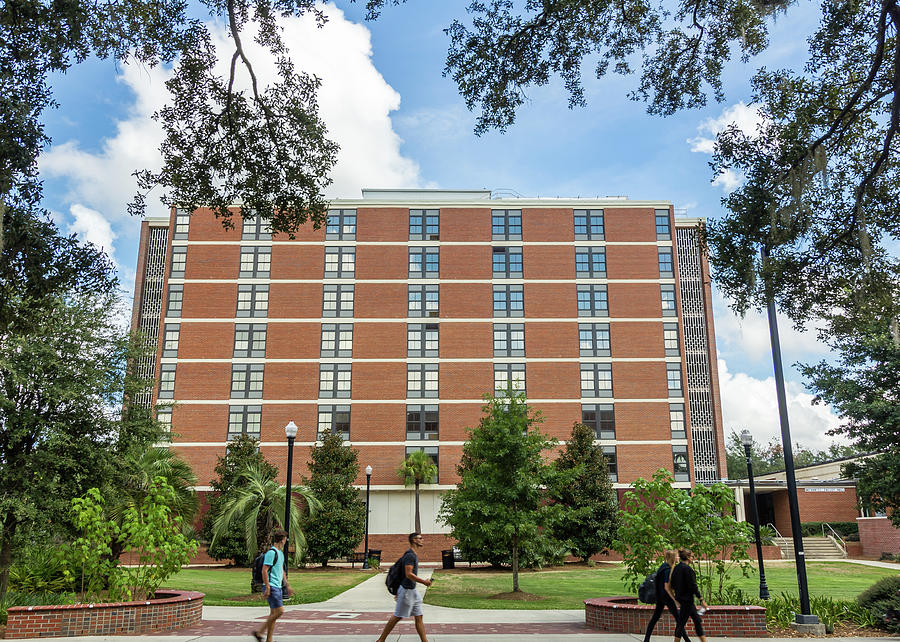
[409, 603]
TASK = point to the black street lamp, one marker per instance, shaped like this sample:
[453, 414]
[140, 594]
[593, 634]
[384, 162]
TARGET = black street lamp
[747, 440]
[368, 481]
[290, 432]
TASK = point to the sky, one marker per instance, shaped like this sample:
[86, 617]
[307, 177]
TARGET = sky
[400, 123]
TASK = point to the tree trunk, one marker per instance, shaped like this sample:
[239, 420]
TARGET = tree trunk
[6, 544]
[515, 563]
[418, 520]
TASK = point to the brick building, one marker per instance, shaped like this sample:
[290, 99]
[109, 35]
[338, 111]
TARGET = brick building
[390, 325]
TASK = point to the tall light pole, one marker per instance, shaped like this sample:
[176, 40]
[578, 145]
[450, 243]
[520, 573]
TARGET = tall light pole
[368, 482]
[290, 432]
[747, 440]
[805, 616]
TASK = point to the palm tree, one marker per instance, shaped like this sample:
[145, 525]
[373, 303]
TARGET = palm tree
[258, 506]
[418, 468]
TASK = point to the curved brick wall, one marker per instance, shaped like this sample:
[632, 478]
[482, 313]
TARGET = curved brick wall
[171, 610]
[626, 615]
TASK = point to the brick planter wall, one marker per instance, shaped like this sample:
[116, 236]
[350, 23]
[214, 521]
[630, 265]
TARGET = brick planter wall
[169, 611]
[626, 615]
[878, 536]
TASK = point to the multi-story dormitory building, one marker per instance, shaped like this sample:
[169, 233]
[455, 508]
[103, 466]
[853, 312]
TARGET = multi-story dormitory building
[390, 324]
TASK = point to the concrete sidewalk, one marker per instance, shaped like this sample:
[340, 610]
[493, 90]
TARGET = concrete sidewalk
[435, 637]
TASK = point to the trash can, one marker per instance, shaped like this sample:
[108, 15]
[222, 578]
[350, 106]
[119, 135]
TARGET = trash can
[447, 560]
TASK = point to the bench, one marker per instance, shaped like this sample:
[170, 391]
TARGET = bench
[360, 556]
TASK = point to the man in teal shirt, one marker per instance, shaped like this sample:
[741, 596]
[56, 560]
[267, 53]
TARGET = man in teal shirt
[276, 586]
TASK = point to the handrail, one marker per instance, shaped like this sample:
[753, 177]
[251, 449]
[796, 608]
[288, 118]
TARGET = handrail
[840, 540]
[775, 529]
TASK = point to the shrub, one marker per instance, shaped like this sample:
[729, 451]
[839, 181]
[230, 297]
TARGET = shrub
[881, 598]
[844, 529]
[20, 598]
[40, 569]
[780, 611]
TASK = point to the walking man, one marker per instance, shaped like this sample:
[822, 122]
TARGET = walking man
[275, 583]
[684, 584]
[409, 600]
[665, 597]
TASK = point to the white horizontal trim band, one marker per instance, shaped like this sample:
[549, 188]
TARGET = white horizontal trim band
[671, 319]
[418, 401]
[435, 360]
[422, 243]
[416, 281]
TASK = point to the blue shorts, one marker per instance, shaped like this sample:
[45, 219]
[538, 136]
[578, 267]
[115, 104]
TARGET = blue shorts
[275, 599]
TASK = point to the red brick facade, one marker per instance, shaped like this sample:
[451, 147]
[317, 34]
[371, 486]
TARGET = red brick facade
[625, 615]
[877, 535]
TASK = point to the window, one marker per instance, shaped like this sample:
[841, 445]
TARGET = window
[253, 301]
[593, 301]
[670, 339]
[600, 417]
[256, 228]
[424, 225]
[424, 262]
[609, 453]
[506, 373]
[334, 380]
[589, 225]
[663, 231]
[182, 223]
[667, 294]
[422, 340]
[255, 262]
[337, 300]
[673, 377]
[509, 340]
[431, 451]
[337, 340]
[164, 417]
[593, 339]
[506, 225]
[340, 225]
[422, 380]
[247, 380]
[666, 267]
[340, 262]
[507, 262]
[423, 301]
[676, 421]
[179, 258]
[334, 419]
[175, 301]
[421, 423]
[680, 463]
[244, 420]
[509, 301]
[170, 340]
[249, 340]
[590, 262]
[596, 380]
[167, 381]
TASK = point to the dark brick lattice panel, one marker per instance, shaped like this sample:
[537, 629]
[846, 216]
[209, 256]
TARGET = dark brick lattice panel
[625, 615]
[169, 611]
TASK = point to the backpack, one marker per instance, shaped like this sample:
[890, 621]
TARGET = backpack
[395, 576]
[647, 590]
[258, 565]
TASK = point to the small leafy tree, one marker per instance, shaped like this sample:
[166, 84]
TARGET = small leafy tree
[497, 511]
[583, 489]
[242, 453]
[418, 468]
[336, 529]
[657, 516]
[90, 563]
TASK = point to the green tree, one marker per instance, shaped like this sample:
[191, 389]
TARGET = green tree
[418, 468]
[584, 491]
[497, 511]
[337, 527]
[257, 505]
[242, 453]
[657, 516]
[770, 458]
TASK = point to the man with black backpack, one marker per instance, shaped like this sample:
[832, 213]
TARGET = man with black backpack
[276, 586]
[409, 600]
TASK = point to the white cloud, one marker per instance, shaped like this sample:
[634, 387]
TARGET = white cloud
[751, 403]
[748, 119]
[91, 227]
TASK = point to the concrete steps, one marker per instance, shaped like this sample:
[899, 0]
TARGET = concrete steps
[815, 548]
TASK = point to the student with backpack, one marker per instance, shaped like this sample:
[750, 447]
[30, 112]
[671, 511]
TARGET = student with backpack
[409, 600]
[276, 586]
[665, 598]
[684, 584]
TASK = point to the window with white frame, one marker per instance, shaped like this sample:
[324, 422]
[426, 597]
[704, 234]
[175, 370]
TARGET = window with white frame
[164, 417]
[589, 225]
[179, 259]
[680, 463]
[340, 225]
[590, 262]
[673, 379]
[667, 296]
[421, 423]
[256, 262]
[424, 225]
[677, 421]
[247, 380]
[249, 340]
[337, 300]
[334, 419]
[596, 380]
[593, 339]
[340, 262]
[175, 301]
[244, 420]
[337, 340]
[670, 339]
[663, 227]
[601, 418]
[593, 301]
[509, 301]
[256, 228]
[422, 340]
[253, 300]
[424, 300]
[509, 374]
[424, 262]
[666, 266]
[171, 333]
[609, 453]
[507, 262]
[509, 340]
[506, 225]
[182, 225]
[421, 380]
[432, 452]
[334, 380]
[166, 381]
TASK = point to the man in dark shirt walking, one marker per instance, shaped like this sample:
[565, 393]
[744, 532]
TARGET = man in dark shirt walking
[683, 582]
[664, 595]
[409, 600]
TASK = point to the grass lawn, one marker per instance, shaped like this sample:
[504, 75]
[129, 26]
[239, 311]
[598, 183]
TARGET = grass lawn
[568, 588]
[231, 586]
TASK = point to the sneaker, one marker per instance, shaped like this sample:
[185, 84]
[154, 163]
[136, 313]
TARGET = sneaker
[258, 637]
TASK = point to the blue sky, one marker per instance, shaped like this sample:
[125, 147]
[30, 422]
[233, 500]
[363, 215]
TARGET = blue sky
[401, 124]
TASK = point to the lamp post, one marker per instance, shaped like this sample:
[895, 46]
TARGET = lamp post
[368, 482]
[290, 432]
[747, 440]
